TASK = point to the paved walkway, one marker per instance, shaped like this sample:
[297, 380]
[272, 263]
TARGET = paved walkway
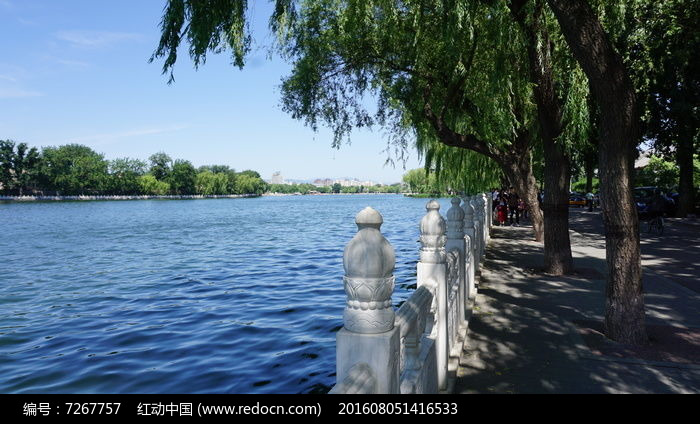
[522, 337]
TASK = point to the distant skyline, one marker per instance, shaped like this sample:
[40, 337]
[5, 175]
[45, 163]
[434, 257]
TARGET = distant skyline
[77, 71]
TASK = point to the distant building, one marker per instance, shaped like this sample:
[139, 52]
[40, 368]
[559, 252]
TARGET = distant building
[323, 182]
[277, 178]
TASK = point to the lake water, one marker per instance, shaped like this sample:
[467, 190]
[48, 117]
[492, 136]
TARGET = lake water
[183, 296]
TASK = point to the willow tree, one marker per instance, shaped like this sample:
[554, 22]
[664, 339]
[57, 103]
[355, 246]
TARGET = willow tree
[531, 19]
[612, 89]
[460, 169]
[449, 71]
[457, 70]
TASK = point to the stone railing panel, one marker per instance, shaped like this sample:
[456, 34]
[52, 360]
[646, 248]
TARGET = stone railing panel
[359, 380]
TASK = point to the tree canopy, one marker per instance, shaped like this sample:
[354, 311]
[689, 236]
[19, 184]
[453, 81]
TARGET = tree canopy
[494, 77]
[75, 169]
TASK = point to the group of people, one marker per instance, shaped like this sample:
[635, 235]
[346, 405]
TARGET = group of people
[508, 206]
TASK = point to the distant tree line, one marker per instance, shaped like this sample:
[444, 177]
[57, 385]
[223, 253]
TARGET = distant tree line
[74, 169]
[335, 188]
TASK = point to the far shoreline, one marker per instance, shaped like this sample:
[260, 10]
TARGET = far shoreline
[21, 199]
[31, 199]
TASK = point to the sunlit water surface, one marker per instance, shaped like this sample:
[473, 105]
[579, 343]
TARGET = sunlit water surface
[183, 296]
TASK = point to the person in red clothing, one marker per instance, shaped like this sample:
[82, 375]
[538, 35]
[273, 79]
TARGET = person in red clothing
[502, 210]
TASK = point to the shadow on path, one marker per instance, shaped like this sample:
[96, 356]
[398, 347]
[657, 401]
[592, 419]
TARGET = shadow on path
[522, 338]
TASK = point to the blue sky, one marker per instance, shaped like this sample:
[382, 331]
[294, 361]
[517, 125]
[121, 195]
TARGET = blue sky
[77, 72]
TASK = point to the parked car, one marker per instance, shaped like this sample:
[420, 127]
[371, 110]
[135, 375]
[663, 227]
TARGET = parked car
[577, 200]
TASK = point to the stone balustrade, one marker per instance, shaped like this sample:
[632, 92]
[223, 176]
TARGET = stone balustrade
[415, 349]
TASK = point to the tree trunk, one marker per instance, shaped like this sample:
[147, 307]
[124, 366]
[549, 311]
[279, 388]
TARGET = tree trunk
[589, 166]
[557, 244]
[519, 172]
[557, 172]
[515, 160]
[686, 190]
[613, 91]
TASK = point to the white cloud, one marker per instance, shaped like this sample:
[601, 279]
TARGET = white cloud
[11, 87]
[17, 93]
[73, 63]
[27, 22]
[106, 138]
[93, 39]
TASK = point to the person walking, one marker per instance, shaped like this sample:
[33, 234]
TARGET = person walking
[513, 207]
[502, 210]
[522, 207]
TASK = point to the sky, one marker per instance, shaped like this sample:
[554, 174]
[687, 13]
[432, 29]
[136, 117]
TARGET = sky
[77, 72]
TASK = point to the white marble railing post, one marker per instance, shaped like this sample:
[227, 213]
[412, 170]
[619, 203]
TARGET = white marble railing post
[490, 212]
[469, 236]
[368, 335]
[455, 240]
[480, 216]
[432, 273]
[487, 225]
[478, 233]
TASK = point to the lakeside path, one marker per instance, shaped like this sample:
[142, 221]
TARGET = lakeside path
[532, 333]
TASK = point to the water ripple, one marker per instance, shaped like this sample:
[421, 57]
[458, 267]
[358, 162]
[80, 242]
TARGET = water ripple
[207, 296]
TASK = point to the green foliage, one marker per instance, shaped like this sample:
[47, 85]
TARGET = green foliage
[161, 166]
[209, 25]
[209, 183]
[664, 40]
[216, 169]
[463, 170]
[248, 184]
[124, 176]
[182, 178]
[292, 188]
[73, 169]
[250, 173]
[420, 181]
[309, 188]
[18, 166]
[462, 62]
[664, 174]
[394, 189]
[149, 185]
[580, 185]
[204, 183]
[225, 174]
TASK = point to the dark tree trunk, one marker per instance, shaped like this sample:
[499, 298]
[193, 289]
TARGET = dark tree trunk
[613, 91]
[557, 172]
[686, 190]
[517, 165]
[523, 180]
[557, 245]
[589, 166]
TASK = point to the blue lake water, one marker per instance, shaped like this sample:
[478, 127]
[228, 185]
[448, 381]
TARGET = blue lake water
[183, 296]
